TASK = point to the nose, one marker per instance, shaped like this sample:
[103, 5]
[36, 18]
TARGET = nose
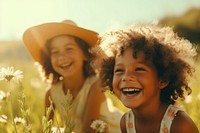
[61, 56]
[128, 78]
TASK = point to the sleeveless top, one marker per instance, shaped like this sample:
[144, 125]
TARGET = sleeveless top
[166, 122]
[108, 113]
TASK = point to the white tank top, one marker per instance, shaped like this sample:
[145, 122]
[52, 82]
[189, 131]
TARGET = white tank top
[165, 123]
[108, 112]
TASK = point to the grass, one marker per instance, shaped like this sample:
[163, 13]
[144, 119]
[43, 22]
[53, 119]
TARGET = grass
[14, 54]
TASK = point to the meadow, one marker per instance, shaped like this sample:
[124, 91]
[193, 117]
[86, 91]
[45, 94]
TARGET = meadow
[13, 53]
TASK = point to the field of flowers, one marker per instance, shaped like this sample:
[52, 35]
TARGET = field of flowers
[22, 100]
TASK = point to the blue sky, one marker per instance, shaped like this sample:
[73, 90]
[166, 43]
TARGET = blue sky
[99, 15]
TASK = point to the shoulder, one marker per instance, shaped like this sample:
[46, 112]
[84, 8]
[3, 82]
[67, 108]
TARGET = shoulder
[123, 124]
[96, 87]
[182, 123]
[95, 92]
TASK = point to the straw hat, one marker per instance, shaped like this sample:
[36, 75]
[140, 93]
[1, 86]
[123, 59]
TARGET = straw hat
[36, 37]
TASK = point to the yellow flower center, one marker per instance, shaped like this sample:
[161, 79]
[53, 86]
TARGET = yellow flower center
[9, 77]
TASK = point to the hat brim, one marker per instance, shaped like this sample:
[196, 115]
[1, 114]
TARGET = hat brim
[36, 37]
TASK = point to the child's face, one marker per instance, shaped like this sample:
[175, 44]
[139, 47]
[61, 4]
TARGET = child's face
[135, 81]
[66, 56]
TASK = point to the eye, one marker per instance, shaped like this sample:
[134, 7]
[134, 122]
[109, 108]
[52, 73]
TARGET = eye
[69, 48]
[53, 52]
[139, 69]
[118, 70]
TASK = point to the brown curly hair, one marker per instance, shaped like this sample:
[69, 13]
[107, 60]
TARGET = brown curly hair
[47, 68]
[170, 54]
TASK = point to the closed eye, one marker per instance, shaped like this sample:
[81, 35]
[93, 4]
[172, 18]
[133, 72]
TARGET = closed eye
[139, 69]
[53, 52]
[118, 70]
[68, 48]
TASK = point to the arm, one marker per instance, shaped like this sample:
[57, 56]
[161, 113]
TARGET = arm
[47, 104]
[92, 110]
[123, 124]
[182, 123]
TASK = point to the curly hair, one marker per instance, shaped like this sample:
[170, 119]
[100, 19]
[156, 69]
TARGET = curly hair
[47, 69]
[170, 54]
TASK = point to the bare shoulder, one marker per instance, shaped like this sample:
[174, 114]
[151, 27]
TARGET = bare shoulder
[182, 123]
[95, 97]
[96, 90]
[93, 105]
[123, 124]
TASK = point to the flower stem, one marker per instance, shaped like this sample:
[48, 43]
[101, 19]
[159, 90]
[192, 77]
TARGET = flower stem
[11, 112]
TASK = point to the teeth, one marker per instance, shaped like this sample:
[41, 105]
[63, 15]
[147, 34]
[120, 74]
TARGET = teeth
[65, 65]
[130, 89]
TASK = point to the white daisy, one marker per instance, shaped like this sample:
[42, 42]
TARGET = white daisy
[19, 120]
[3, 119]
[3, 95]
[99, 126]
[8, 74]
[57, 130]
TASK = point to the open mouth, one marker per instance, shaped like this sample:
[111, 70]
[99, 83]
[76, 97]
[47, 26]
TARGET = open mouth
[131, 91]
[65, 66]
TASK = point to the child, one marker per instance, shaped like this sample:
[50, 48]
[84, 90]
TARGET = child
[63, 50]
[147, 68]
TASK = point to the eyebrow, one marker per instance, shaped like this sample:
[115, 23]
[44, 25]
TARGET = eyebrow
[138, 62]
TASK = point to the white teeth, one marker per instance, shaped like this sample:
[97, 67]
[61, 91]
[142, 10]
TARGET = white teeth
[131, 89]
[65, 65]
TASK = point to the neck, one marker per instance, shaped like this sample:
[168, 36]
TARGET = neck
[150, 114]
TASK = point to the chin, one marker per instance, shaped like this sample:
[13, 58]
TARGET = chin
[128, 104]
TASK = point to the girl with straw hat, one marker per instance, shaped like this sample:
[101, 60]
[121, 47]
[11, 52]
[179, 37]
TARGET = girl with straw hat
[63, 50]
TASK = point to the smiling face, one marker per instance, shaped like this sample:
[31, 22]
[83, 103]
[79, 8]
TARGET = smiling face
[135, 80]
[66, 56]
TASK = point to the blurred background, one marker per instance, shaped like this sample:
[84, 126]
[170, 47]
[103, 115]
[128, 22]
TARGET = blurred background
[99, 15]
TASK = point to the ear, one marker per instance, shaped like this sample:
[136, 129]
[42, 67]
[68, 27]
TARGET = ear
[163, 84]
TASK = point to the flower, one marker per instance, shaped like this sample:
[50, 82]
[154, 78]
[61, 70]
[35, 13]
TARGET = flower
[19, 120]
[57, 130]
[8, 74]
[171, 113]
[3, 119]
[130, 125]
[99, 126]
[3, 95]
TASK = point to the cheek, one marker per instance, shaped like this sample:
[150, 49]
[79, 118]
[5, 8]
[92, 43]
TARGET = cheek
[52, 59]
[53, 62]
[115, 82]
[115, 85]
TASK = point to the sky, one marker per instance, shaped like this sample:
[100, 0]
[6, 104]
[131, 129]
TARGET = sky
[98, 15]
